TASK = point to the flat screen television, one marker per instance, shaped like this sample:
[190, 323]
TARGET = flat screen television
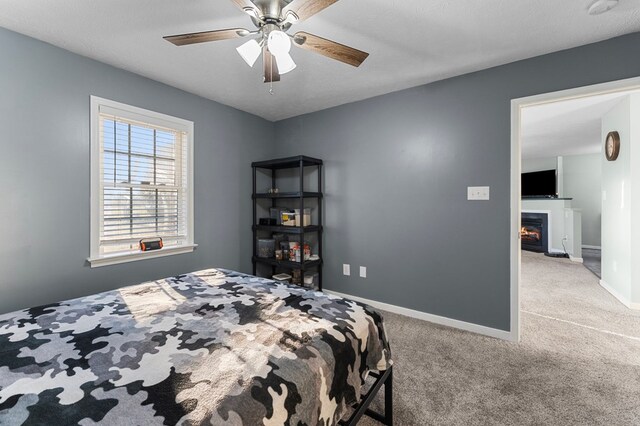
[539, 184]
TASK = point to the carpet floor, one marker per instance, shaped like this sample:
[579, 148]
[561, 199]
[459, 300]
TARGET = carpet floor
[578, 362]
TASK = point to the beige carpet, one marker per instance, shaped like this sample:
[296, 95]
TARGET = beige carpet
[578, 362]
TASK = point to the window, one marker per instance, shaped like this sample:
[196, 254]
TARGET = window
[141, 182]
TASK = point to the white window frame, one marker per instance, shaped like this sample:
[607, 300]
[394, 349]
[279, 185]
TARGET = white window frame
[97, 259]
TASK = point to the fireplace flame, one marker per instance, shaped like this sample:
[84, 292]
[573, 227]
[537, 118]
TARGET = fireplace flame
[530, 234]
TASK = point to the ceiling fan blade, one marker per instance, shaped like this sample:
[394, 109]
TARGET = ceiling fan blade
[270, 66]
[329, 48]
[304, 9]
[205, 36]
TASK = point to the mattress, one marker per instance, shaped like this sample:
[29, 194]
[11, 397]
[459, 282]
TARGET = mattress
[210, 347]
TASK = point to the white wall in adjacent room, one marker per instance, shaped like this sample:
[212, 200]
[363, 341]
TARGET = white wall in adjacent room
[616, 205]
[582, 178]
[579, 178]
[539, 164]
[634, 170]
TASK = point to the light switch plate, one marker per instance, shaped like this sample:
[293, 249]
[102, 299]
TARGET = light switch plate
[478, 193]
[363, 272]
[346, 269]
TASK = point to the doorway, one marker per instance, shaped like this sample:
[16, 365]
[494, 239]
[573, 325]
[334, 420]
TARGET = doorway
[518, 108]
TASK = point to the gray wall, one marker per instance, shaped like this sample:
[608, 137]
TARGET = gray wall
[44, 170]
[397, 168]
[582, 176]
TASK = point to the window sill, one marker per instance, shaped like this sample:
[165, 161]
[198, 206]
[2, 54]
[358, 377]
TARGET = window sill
[114, 259]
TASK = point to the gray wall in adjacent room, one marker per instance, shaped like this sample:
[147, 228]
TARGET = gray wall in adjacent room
[44, 170]
[397, 171]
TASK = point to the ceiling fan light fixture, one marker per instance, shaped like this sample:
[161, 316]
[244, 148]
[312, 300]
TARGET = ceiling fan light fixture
[278, 43]
[250, 52]
[285, 63]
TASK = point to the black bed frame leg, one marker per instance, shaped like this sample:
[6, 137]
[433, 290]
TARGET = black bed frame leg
[382, 379]
[388, 399]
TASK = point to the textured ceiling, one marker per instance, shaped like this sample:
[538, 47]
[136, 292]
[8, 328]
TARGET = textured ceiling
[571, 127]
[411, 42]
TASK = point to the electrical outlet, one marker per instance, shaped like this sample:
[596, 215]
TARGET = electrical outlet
[363, 272]
[346, 269]
[478, 192]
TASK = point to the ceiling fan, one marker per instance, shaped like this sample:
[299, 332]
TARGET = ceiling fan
[273, 18]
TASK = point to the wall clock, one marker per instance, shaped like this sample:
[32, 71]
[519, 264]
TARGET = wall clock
[612, 146]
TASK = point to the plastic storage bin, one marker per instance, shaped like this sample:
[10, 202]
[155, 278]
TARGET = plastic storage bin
[287, 218]
[274, 213]
[266, 247]
[311, 281]
[285, 278]
[306, 218]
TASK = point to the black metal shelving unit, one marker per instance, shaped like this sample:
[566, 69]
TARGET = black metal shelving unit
[272, 166]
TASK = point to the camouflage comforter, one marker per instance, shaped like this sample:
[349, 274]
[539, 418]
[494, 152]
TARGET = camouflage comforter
[212, 347]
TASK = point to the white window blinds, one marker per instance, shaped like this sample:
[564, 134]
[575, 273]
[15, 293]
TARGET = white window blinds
[143, 185]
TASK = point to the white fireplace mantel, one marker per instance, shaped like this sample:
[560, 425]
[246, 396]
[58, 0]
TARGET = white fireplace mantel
[565, 223]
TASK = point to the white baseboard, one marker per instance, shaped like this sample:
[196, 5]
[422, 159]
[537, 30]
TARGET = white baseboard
[615, 293]
[591, 247]
[436, 319]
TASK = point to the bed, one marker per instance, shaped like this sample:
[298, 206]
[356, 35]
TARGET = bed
[210, 347]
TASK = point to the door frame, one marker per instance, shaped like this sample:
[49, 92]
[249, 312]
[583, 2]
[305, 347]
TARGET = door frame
[517, 105]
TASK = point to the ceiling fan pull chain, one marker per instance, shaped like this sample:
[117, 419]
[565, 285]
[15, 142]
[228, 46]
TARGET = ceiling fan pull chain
[271, 79]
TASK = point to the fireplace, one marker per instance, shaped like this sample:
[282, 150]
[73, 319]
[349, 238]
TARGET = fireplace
[534, 234]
